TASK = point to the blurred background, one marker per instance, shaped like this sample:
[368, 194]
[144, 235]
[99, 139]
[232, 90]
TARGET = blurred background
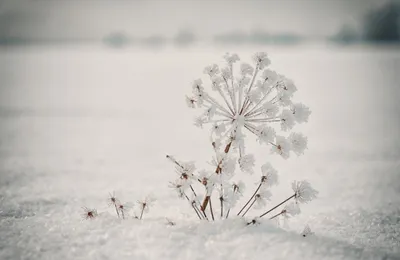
[92, 98]
[183, 23]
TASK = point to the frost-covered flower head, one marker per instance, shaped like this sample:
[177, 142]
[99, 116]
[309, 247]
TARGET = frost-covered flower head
[290, 210]
[112, 200]
[257, 101]
[262, 197]
[146, 203]
[269, 176]
[178, 187]
[303, 191]
[307, 231]
[89, 213]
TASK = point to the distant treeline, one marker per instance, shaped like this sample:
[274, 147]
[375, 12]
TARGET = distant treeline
[378, 25]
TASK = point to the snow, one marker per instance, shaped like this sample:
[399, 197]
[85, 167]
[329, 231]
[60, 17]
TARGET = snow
[79, 123]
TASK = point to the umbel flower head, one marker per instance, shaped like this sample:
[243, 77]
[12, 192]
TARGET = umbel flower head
[249, 99]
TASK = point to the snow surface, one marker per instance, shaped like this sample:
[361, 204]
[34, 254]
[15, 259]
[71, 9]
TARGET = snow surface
[78, 123]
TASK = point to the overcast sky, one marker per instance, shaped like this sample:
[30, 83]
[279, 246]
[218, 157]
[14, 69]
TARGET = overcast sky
[95, 18]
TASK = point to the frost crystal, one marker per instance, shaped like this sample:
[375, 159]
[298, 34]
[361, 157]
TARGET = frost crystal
[290, 210]
[304, 193]
[246, 163]
[307, 231]
[269, 175]
[298, 143]
[300, 112]
[261, 198]
[282, 147]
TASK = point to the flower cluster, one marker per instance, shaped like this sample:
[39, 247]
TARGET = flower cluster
[244, 100]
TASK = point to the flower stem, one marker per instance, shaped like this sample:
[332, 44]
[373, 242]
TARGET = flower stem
[141, 213]
[227, 214]
[254, 194]
[194, 208]
[211, 210]
[280, 213]
[123, 215]
[265, 213]
[251, 205]
[116, 209]
[222, 206]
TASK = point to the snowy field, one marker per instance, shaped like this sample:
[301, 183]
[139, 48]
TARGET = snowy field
[78, 123]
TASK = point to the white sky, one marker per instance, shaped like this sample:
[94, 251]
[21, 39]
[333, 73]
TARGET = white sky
[90, 18]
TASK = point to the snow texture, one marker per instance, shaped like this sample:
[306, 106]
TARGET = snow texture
[77, 124]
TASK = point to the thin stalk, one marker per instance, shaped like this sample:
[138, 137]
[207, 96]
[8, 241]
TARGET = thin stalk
[251, 205]
[227, 214]
[248, 91]
[252, 196]
[141, 213]
[291, 197]
[211, 210]
[222, 206]
[259, 102]
[280, 213]
[226, 100]
[211, 100]
[122, 213]
[116, 209]
[194, 208]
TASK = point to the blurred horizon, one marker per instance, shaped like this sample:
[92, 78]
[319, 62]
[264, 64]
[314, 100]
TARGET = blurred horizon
[156, 23]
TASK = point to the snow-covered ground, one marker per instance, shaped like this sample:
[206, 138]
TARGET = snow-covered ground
[78, 123]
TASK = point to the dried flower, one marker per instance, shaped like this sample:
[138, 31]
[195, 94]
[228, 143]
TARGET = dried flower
[304, 193]
[89, 213]
[269, 176]
[307, 231]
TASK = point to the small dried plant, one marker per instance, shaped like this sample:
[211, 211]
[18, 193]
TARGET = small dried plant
[123, 210]
[257, 101]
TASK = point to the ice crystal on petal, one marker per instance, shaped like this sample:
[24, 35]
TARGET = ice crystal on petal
[281, 147]
[247, 163]
[199, 121]
[270, 109]
[190, 102]
[265, 134]
[287, 120]
[261, 198]
[246, 69]
[269, 76]
[218, 129]
[261, 60]
[307, 231]
[89, 213]
[210, 112]
[269, 176]
[291, 209]
[228, 165]
[216, 82]
[300, 112]
[238, 187]
[255, 95]
[298, 143]
[231, 58]
[146, 203]
[211, 70]
[226, 73]
[178, 187]
[304, 193]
